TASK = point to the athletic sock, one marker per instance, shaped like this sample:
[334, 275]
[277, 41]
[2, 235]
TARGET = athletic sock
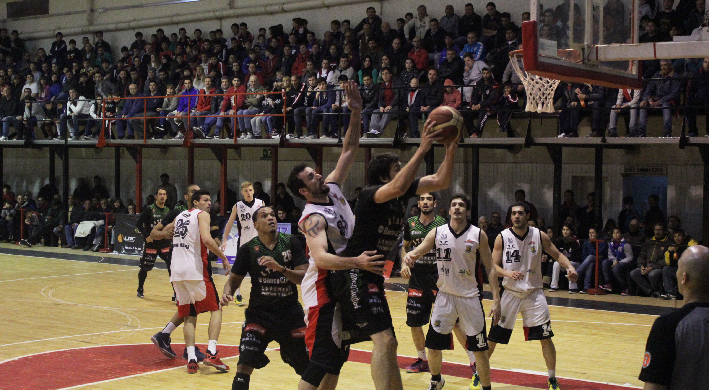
[422, 355]
[241, 382]
[552, 373]
[142, 275]
[191, 355]
[169, 328]
[436, 378]
[471, 356]
[212, 347]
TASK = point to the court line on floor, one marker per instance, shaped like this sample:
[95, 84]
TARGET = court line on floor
[92, 334]
[61, 276]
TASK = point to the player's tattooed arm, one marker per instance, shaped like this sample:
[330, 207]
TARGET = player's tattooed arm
[551, 249]
[428, 243]
[314, 227]
[350, 142]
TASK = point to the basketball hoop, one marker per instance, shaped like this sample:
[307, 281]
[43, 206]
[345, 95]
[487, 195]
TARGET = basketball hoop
[540, 90]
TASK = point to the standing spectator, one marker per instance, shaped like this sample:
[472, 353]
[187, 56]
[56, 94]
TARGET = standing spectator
[651, 260]
[619, 263]
[99, 190]
[7, 218]
[58, 50]
[431, 99]
[259, 193]
[295, 99]
[170, 189]
[653, 215]
[698, 97]
[492, 22]
[506, 106]
[587, 215]
[413, 98]
[389, 101]
[628, 214]
[499, 56]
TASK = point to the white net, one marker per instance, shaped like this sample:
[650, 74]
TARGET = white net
[540, 90]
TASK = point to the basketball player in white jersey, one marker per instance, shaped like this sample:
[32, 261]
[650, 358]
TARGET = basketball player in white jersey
[242, 212]
[518, 259]
[456, 246]
[192, 279]
[327, 222]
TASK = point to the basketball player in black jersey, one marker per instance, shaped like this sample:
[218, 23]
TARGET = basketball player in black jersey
[379, 217]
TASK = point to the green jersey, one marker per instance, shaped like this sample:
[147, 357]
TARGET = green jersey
[415, 232]
[270, 289]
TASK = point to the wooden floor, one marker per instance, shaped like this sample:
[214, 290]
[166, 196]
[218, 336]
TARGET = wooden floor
[90, 308]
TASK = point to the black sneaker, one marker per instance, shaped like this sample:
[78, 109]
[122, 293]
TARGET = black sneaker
[162, 341]
[25, 243]
[200, 355]
[140, 293]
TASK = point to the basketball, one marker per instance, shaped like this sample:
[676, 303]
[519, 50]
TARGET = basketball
[448, 121]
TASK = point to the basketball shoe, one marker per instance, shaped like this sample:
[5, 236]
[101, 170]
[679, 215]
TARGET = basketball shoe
[475, 382]
[192, 367]
[162, 341]
[437, 385]
[197, 352]
[240, 300]
[553, 385]
[419, 365]
[214, 361]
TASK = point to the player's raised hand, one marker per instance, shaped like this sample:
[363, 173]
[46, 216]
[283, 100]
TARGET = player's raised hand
[354, 98]
[226, 298]
[571, 274]
[495, 312]
[428, 136]
[270, 263]
[370, 261]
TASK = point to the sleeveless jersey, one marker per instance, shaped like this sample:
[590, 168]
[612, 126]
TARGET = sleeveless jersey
[270, 289]
[456, 260]
[340, 223]
[158, 215]
[415, 232]
[189, 255]
[244, 214]
[524, 255]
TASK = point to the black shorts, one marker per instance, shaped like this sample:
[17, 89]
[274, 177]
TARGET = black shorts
[422, 294]
[365, 310]
[151, 254]
[325, 345]
[285, 326]
[443, 342]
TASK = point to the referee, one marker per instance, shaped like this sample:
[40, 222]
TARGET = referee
[677, 352]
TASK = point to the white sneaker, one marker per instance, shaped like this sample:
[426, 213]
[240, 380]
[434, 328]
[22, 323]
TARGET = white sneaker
[437, 385]
[289, 136]
[562, 135]
[3, 138]
[179, 136]
[242, 136]
[324, 137]
[249, 136]
[374, 133]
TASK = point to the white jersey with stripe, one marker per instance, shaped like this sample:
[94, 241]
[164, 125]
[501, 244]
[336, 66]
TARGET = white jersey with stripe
[524, 255]
[189, 255]
[244, 219]
[339, 225]
[456, 260]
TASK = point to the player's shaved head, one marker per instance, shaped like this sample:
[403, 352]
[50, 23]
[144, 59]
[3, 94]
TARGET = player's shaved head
[693, 274]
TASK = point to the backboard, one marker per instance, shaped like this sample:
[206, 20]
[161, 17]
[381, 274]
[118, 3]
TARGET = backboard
[559, 40]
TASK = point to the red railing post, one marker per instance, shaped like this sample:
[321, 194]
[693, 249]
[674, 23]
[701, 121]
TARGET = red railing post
[145, 120]
[102, 137]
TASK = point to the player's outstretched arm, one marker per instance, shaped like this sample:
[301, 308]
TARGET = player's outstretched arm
[228, 226]
[443, 177]
[206, 236]
[406, 176]
[551, 249]
[350, 143]
[314, 228]
[230, 286]
[428, 243]
[486, 257]
[405, 269]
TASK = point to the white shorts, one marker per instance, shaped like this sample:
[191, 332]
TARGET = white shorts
[189, 292]
[450, 308]
[533, 307]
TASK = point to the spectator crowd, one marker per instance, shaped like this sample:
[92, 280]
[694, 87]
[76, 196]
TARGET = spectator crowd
[215, 85]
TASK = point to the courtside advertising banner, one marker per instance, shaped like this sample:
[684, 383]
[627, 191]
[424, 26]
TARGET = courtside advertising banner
[128, 241]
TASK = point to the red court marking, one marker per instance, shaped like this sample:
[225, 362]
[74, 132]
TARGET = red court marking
[74, 367]
[498, 376]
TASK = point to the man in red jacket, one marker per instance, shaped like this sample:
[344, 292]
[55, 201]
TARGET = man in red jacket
[204, 106]
[300, 61]
[419, 55]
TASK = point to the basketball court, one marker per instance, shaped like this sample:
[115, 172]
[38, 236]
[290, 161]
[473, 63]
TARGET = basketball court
[73, 320]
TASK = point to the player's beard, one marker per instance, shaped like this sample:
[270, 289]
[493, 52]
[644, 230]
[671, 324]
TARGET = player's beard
[323, 190]
[427, 212]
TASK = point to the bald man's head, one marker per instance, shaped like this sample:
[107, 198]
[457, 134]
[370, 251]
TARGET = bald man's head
[693, 273]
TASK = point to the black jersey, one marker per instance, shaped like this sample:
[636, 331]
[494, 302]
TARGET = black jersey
[416, 232]
[270, 289]
[377, 225]
[677, 355]
[149, 218]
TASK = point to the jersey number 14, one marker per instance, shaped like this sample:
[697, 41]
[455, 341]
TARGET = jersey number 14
[513, 256]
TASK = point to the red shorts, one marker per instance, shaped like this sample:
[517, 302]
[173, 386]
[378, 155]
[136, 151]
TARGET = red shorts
[205, 290]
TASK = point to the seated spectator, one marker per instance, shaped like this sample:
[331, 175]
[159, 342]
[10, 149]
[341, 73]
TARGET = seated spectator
[50, 219]
[133, 108]
[77, 109]
[339, 106]
[589, 254]
[389, 101]
[186, 103]
[506, 106]
[7, 218]
[669, 273]
[204, 106]
[343, 68]
[215, 106]
[252, 105]
[431, 99]
[417, 26]
[153, 105]
[33, 114]
[452, 68]
[570, 247]
[648, 276]
[698, 97]
[499, 56]
[318, 110]
[419, 55]
[413, 98]
[434, 40]
[409, 73]
[483, 102]
[653, 214]
[619, 263]
[10, 114]
[473, 47]
[627, 101]
[367, 69]
[451, 95]
[470, 21]
[295, 99]
[370, 100]
[386, 63]
[568, 106]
